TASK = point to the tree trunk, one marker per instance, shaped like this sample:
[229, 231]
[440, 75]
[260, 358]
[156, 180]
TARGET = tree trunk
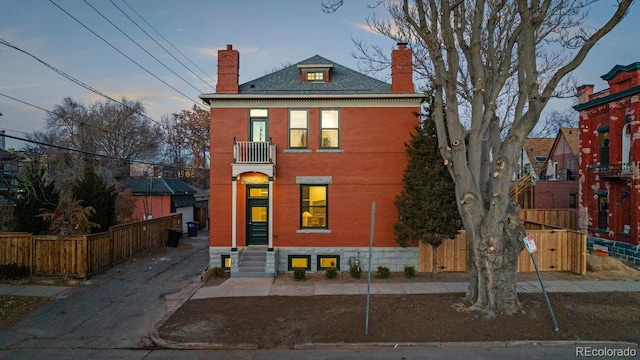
[494, 252]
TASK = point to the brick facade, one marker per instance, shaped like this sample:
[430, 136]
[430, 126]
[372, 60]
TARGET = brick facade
[610, 152]
[366, 166]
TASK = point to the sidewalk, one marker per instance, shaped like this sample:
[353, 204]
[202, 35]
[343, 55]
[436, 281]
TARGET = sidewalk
[240, 287]
[56, 292]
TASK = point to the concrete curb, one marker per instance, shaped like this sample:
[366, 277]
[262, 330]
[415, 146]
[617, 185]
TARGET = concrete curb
[470, 344]
[191, 288]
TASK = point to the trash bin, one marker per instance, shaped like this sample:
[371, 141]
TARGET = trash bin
[192, 228]
[174, 237]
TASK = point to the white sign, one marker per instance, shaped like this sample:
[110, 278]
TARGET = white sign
[530, 244]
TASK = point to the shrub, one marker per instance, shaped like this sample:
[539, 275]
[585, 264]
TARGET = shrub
[355, 271]
[219, 272]
[300, 274]
[13, 272]
[383, 272]
[331, 272]
[409, 271]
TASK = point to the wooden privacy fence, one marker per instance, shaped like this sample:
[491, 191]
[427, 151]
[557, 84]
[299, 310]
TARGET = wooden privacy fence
[558, 250]
[85, 255]
[563, 218]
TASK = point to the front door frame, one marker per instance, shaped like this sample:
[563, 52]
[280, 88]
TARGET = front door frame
[257, 201]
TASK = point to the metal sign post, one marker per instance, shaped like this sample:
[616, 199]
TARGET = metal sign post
[531, 248]
[373, 222]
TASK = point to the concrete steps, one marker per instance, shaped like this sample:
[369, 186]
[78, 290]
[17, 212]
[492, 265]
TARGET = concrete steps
[252, 262]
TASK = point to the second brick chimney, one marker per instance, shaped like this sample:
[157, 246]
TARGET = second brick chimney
[402, 70]
[228, 71]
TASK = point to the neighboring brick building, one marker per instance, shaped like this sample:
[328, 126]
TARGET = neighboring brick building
[338, 137]
[610, 152]
[558, 185]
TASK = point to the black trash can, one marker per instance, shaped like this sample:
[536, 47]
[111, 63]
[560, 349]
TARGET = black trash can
[174, 237]
[192, 228]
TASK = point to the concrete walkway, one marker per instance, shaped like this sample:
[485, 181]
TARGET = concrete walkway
[239, 287]
[56, 292]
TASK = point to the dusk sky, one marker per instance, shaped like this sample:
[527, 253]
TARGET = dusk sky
[268, 34]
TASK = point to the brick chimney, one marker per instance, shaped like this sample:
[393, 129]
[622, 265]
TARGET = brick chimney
[584, 92]
[228, 71]
[402, 70]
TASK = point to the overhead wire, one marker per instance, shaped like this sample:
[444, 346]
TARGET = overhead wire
[160, 45]
[53, 113]
[69, 77]
[168, 42]
[123, 54]
[140, 46]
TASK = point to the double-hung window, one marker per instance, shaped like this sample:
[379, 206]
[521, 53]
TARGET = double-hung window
[298, 129]
[314, 206]
[329, 129]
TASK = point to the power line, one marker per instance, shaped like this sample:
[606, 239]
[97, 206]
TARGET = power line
[76, 150]
[69, 77]
[141, 47]
[163, 48]
[123, 54]
[169, 42]
[53, 113]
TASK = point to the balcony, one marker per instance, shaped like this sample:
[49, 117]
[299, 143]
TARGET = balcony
[254, 152]
[621, 171]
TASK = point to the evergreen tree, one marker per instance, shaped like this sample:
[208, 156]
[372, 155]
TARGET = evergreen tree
[93, 192]
[427, 206]
[35, 196]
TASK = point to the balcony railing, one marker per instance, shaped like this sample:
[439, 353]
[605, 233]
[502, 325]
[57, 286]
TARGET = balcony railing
[254, 152]
[615, 171]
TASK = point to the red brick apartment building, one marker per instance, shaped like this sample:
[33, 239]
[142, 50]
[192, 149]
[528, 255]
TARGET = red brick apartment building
[609, 159]
[298, 157]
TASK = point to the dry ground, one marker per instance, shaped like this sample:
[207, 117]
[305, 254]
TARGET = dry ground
[274, 322]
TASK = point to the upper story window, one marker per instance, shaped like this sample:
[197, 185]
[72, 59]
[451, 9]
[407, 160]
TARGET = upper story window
[315, 76]
[329, 129]
[604, 147]
[258, 125]
[540, 159]
[318, 73]
[298, 129]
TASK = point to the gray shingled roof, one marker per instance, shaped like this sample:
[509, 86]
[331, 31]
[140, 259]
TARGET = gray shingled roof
[158, 186]
[342, 80]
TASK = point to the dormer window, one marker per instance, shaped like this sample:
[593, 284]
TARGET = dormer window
[315, 76]
[315, 73]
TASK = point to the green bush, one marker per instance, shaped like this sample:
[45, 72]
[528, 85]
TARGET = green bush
[219, 272]
[300, 274]
[13, 272]
[409, 271]
[331, 272]
[383, 272]
[355, 271]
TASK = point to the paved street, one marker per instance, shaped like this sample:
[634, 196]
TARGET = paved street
[113, 311]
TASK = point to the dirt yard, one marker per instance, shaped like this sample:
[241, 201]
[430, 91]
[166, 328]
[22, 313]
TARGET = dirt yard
[281, 322]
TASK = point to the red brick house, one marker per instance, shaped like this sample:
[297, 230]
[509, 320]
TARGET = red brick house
[557, 187]
[297, 158]
[158, 197]
[610, 152]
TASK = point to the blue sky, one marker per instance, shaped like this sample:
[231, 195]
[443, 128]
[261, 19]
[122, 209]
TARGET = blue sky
[268, 34]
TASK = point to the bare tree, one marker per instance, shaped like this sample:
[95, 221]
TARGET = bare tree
[555, 120]
[473, 54]
[187, 134]
[109, 136]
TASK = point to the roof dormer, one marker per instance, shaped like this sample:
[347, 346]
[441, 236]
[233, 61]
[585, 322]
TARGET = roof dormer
[314, 73]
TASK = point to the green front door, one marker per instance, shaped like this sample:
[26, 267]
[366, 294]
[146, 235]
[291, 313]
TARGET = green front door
[257, 215]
